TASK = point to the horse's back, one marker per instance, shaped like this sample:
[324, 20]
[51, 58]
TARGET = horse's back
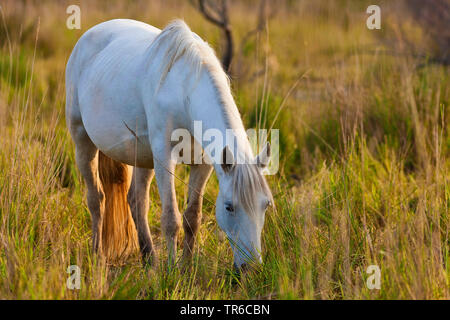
[100, 36]
[102, 86]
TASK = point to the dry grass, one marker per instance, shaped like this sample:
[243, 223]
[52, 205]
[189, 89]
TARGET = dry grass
[364, 153]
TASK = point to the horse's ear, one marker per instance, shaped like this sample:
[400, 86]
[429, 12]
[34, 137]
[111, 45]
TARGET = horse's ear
[262, 160]
[227, 159]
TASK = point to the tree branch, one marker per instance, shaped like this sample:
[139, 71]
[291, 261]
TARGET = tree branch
[219, 16]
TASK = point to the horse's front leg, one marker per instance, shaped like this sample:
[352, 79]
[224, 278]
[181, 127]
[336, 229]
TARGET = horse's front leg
[170, 217]
[138, 199]
[193, 214]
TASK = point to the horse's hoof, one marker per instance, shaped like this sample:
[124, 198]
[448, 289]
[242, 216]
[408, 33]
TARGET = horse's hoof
[150, 260]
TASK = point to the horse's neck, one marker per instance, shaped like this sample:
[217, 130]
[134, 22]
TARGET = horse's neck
[213, 107]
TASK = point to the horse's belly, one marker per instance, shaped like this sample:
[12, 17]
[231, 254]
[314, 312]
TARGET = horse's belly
[134, 151]
[120, 135]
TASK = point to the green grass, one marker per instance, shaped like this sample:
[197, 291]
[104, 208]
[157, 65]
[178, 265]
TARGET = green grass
[364, 168]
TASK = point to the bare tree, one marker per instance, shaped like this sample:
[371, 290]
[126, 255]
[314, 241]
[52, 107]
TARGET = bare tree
[216, 12]
[266, 11]
[433, 17]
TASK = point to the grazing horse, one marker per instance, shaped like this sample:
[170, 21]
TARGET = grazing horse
[129, 85]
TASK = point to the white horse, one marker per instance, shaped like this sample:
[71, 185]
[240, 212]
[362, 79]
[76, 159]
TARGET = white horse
[128, 86]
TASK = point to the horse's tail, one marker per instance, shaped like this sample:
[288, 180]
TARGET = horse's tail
[119, 237]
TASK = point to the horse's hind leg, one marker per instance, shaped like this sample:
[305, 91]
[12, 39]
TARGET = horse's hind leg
[138, 198]
[193, 214]
[86, 154]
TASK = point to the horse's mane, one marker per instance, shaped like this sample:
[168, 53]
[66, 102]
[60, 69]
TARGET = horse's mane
[248, 181]
[179, 41]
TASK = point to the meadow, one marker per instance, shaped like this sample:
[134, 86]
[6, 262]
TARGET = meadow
[364, 156]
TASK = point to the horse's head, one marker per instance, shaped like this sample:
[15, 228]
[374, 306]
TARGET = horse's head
[243, 199]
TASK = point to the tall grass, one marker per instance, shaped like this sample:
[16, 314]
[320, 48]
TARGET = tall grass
[364, 177]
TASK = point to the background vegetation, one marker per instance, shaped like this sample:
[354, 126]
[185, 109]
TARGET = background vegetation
[364, 176]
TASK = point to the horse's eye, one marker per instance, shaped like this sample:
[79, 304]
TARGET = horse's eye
[229, 207]
[268, 204]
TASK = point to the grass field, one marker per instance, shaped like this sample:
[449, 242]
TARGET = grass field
[364, 157]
